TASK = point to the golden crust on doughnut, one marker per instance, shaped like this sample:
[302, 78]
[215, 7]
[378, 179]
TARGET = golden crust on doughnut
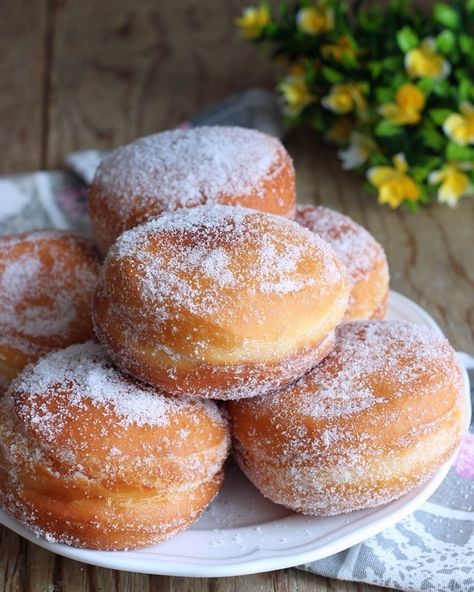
[91, 458]
[219, 301]
[47, 279]
[186, 168]
[380, 414]
[363, 256]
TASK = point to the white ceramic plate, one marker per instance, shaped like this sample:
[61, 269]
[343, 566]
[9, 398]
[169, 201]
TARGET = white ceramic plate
[242, 532]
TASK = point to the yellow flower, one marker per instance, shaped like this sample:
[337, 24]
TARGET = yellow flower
[454, 183]
[409, 102]
[357, 152]
[344, 98]
[336, 51]
[296, 93]
[424, 61]
[314, 20]
[459, 127]
[253, 21]
[340, 130]
[393, 183]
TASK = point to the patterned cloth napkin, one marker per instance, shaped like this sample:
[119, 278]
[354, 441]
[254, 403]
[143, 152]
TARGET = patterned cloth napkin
[431, 549]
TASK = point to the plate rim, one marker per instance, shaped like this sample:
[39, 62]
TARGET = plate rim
[385, 516]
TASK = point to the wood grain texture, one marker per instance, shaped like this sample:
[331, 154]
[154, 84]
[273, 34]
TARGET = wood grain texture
[23, 72]
[79, 74]
[124, 68]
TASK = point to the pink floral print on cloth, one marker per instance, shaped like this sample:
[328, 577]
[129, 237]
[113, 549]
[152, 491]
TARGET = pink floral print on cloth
[464, 463]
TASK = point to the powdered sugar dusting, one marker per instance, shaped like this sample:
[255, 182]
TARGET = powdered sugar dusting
[350, 434]
[235, 247]
[85, 372]
[231, 269]
[41, 290]
[355, 246]
[398, 355]
[179, 168]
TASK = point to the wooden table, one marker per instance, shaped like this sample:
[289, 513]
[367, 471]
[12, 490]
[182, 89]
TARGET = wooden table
[80, 74]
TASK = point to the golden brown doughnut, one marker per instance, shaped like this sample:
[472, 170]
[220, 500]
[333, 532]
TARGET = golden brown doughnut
[185, 168]
[363, 256]
[47, 279]
[380, 414]
[91, 458]
[219, 301]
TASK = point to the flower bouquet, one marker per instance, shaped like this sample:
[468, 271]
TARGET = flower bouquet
[393, 87]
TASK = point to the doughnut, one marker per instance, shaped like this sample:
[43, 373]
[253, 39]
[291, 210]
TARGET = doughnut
[377, 417]
[220, 302]
[47, 280]
[91, 458]
[363, 256]
[183, 168]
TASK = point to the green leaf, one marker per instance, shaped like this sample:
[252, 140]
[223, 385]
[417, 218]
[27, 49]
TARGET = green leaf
[465, 89]
[426, 85]
[284, 10]
[348, 61]
[383, 95]
[423, 199]
[446, 15]
[455, 153]
[439, 115]
[378, 159]
[386, 128]
[470, 5]
[331, 75]
[466, 43]
[375, 68]
[392, 63]
[446, 42]
[318, 123]
[407, 39]
[442, 88]
[432, 137]
[419, 173]
[411, 205]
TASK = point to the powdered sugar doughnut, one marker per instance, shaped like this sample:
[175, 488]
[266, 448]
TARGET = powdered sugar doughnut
[380, 414]
[219, 301]
[185, 168]
[47, 279]
[363, 256]
[91, 458]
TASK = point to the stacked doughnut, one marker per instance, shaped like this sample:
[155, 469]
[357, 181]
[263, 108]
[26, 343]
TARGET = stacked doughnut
[209, 290]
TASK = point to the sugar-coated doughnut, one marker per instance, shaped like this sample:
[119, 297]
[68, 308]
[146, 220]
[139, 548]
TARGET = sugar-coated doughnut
[47, 279]
[219, 301]
[93, 459]
[380, 414]
[363, 256]
[184, 168]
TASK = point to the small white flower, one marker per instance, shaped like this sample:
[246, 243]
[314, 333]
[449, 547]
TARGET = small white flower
[357, 152]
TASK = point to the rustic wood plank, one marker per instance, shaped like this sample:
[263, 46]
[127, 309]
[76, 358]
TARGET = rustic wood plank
[23, 72]
[142, 67]
[39, 568]
[12, 561]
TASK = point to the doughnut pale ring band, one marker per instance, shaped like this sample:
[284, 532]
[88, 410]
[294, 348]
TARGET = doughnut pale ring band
[185, 168]
[91, 458]
[380, 414]
[219, 302]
